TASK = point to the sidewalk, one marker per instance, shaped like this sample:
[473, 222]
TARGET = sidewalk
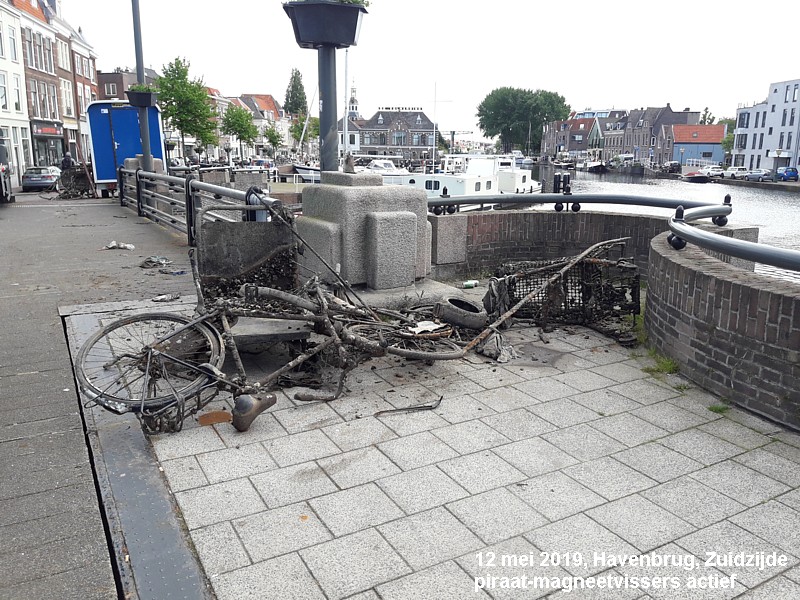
[555, 466]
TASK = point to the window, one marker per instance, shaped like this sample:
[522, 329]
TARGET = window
[91, 78]
[577, 138]
[415, 139]
[111, 90]
[398, 138]
[85, 67]
[28, 41]
[78, 70]
[52, 100]
[49, 63]
[772, 108]
[380, 119]
[34, 88]
[367, 139]
[352, 141]
[785, 114]
[794, 94]
[761, 142]
[791, 118]
[66, 98]
[63, 55]
[43, 112]
[756, 125]
[81, 103]
[769, 132]
[17, 97]
[3, 92]
[419, 120]
[12, 44]
[780, 140]
[477, 186]
[789, 141]
[431, 184]
[87, 95]
[488, 184]
[2, 42]
[753, 147]
[786, 95]
[38, 51]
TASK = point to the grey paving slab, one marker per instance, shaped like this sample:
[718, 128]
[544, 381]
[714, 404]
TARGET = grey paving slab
[300, 447]
[583, 442]
[219, 502]
[602, 355]
[787, 451]
[791, 499]
[773, 522]
[84, 583]
[279, 531]
[190, 443]
[741, 483]
[609, 477]
[470, 436]
[354, 509]
[658, 462]
[308, 415]
[219, 549]
[555, 495]
[405, 394]
[564, 412]
[445, 581]
[453, 386]
[410, 423]
[725, 538]
[534, 456]
[421, 489]
[670, 417]
[357, 404]
[641, 523]
[457, 409]
[584, 381]
[359, 433]
[292, 484]
[184, 473]
[481, 471]
[504, 399]
[496, 515]
[605, 402]
[493, 377]
[701, 446]
[358, 466]
[236, 462]
[547, 388]
[577, 541]
[354, 563]
[749, 420]
[509, 559]
[693, 502]
[282, 578]
[261, 430]
[780, 588]
[418, 450]
[618, 592]
[518, 424]
[645, 391]
[735, 433]
[629, 429]
[778, 468]
[429, 537]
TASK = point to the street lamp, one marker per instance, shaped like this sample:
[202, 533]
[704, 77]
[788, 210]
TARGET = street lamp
[681, 156]
[227, 147]
[775, 170]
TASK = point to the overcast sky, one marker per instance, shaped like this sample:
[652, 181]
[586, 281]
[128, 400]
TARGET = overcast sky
[446, 56]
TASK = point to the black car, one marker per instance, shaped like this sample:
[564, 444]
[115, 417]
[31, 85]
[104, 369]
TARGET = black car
[671, 166]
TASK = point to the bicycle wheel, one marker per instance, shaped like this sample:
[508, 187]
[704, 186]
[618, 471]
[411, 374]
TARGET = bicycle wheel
[147, 360]
[401, 341]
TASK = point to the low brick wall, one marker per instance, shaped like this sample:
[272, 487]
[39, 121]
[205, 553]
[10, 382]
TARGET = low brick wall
[734, 333]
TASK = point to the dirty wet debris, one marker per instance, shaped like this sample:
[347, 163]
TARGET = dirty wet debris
[115, 245]
[154, 262]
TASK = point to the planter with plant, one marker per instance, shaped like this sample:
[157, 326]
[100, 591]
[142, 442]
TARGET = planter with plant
[318, 23]
[142, 95]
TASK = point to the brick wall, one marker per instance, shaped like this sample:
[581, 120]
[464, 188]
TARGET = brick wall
[734, 333]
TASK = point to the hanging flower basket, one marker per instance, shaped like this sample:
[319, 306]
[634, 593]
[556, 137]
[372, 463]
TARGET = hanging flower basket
[142, 99]
[319, 23]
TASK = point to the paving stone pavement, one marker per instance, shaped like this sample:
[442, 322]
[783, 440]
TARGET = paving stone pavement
[560, 465]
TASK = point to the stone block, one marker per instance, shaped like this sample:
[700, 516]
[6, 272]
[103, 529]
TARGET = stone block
[325, 237]
[449, 239]
[391, 249]
[348, 207]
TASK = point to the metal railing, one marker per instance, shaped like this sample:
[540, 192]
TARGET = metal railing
[178, 202]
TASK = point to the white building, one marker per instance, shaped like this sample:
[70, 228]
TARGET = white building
[767, 134]
[14, 121]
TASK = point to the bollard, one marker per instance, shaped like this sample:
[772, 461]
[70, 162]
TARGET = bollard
[189, 208]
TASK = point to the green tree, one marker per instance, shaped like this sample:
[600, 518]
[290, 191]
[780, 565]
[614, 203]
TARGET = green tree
[296, 103]
[273, 137]
[238, 121]
[312, 131]
[706, 118]
[517, 116]
[185, 104]
[727, 141]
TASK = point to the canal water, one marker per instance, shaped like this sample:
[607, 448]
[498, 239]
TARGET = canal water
[776, 213]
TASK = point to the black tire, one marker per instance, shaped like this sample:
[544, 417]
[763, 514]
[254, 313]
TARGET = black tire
[461, 313]
[111, 365]
[398, 340]
[104, 194]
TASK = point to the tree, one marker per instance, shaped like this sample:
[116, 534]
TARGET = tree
[296, 103]
[517, 116]
[312, 131]
[706, 118]
[238, 121]
[273, 137]
[727, 141]
[185, 104]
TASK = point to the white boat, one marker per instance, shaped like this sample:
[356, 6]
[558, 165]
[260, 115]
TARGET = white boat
[308, 173]
[383, 166]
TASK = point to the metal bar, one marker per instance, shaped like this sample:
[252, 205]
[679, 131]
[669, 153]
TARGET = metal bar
[561, 198]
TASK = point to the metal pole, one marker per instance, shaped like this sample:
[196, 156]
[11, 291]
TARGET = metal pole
[144, 123]
[329, 142]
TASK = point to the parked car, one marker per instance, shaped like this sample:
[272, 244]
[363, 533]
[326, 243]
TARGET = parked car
[712, 171]
[671, 166]
[787, 173]
[759, 175]
[40, 178]
[735, 172]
